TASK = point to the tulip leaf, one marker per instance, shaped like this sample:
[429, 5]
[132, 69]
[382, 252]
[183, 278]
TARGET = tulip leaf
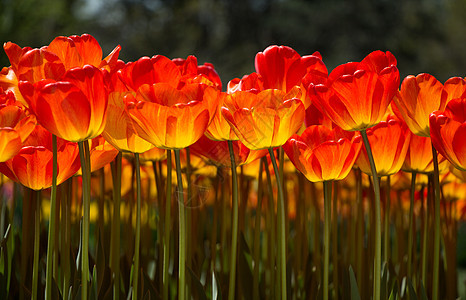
[198, 288]
[423, 291]
[354, 285]
[411, 291]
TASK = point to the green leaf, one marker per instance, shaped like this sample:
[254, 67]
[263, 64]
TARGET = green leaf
[423, 291]
[354, 285]
[198, 288]
[411, 290]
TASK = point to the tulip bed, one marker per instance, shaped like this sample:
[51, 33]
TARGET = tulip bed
[149, 180]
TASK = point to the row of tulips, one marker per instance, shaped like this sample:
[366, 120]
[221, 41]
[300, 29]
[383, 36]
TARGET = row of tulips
[67, 111]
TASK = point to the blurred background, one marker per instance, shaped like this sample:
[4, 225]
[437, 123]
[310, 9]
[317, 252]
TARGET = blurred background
[425, 36]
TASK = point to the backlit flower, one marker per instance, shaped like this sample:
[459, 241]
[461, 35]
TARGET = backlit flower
[448, 132]
[32, 166]
[73, 108]
[389, 142]
[323, 154]
[266, 119]
[16, 124]
[357, 94]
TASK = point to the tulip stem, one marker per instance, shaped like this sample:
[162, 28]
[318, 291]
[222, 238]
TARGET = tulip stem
[166, 236]
[386, 220]
[281, 227]
[436, 262]
[257, 231]
[115, 250]
[378, 234]
[138, 227]
[35, 268]
[52, 222]
[411, 225]
[182, 230]
[234, 224]
[86, 183]
[327, 222]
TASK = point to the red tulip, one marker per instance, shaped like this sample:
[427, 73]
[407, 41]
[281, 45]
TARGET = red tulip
[389, 142]
[32, 166]
[448, 132]
[356, 95]
[266, 119]
[73, 108]
[16, 124]
[218, 152]
[323, 154]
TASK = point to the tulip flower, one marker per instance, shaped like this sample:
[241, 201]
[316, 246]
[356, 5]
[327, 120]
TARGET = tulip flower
[419, 156]
[357, 94]
[170, 118]
[73, 108]
[32, 166]
[448, 131]
[389, 142]
[283, 68]
[264, 120]
[16, 124]
[251, 82]
[323, 154]
[61, 55]
[417, 98]
[119, 129]
[218, 152]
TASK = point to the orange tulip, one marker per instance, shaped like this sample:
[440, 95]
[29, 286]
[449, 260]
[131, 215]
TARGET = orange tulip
[32, 166]
[63, 53]
[218, 152]
[448, 132]
[191, 70]
[357, 94]
[283, 68]
[219, 129]
[154, 154]
[119, 129]
[417, 98]
[389, 142]
[419, 156]
[323, 154]
[251, 82]
[16, 124]
[101, 153]
[172, 118]
[73, 108]
[266, 119]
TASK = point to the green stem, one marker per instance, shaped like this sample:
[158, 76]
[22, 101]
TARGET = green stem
[234, 224]
[377, 220]
[411, 225]
[52, 222]
[387, 221]
[257, 230]
[182, 230]
[166, 233]
[271, 241]
[359, 228]
[436, 262]
[281, 227]
[35, 268]
[327, 222]
[425, 210]
[115, 250]
[86, 177]
[138, 228]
